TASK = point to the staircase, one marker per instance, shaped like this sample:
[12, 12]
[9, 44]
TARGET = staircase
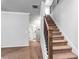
[57, 47]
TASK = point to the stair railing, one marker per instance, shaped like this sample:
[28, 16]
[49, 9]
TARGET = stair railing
[48, 38]
[42, 39]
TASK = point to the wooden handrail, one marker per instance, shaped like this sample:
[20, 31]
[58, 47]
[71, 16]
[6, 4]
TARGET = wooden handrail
[48, 39]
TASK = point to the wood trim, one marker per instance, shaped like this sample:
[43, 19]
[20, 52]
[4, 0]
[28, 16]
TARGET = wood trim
[49, 41]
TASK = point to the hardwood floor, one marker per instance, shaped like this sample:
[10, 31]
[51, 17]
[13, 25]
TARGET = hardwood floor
[31, 52]
[15, 53]
[35, 50]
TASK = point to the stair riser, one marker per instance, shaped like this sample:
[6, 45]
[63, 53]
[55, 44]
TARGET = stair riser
[53, 29]
[51, 24]
[56, 33]
[61, 51]
[60, 43]
[52, 32]
[58, 38]
[48, 20]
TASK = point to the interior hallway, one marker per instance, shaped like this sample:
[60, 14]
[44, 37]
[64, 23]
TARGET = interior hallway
[31, 52]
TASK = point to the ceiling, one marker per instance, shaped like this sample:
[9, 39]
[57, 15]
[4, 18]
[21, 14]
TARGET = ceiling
[20, 5]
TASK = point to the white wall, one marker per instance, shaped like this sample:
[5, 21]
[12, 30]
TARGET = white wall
[65, 15]
[47, 10]
[34, 25]
[14, 29]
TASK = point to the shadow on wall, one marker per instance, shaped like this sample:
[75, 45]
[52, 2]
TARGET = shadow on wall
[55, 3]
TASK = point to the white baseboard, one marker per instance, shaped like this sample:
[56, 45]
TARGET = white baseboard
[74, 50]
[13, 46]
[27, 44]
